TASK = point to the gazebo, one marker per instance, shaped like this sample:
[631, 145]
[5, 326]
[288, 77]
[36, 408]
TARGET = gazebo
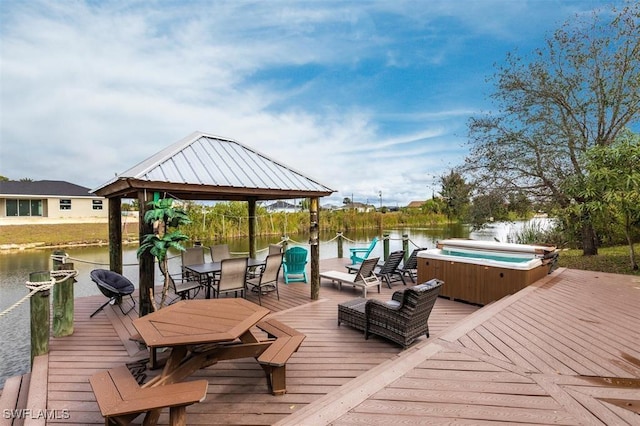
[206, 167]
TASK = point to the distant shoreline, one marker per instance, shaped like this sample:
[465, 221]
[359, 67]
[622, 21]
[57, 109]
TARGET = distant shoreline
[48, 233]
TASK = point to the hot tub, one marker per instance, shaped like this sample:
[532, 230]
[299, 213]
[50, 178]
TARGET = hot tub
[481, 272]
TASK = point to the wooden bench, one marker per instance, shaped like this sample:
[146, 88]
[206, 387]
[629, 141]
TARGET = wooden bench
[121, 399]
[274, 359]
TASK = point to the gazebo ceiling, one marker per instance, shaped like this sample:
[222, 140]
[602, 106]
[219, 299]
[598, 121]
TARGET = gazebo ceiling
[206, 167]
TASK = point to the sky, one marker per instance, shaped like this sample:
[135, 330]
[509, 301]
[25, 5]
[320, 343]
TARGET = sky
[370, 98]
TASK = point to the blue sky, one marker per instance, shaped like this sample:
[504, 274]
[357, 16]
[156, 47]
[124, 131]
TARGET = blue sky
[364, 96]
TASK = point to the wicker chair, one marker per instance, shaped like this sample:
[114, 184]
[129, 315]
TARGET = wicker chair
[402, 319]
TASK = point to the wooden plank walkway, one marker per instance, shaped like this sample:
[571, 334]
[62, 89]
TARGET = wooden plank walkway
[563, 351]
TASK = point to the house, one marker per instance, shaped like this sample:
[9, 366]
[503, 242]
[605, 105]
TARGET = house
[282, 207]
[359, 207]
[415, 204]
[52, 199]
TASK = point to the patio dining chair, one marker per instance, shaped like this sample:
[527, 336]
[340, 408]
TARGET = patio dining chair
[219, 252]
[181, 287]
[191, 256]
[268, 279]
[233, 276]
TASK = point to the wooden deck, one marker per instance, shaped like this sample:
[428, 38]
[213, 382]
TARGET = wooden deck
[563, 351]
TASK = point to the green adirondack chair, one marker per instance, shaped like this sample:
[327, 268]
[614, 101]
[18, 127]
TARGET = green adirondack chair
[358, 254]
[294, 266]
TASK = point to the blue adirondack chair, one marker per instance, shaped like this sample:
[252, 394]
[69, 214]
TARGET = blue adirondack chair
[358, 254]
[294, 266]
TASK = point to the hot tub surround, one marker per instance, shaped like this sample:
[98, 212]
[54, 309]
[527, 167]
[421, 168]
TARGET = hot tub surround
[481, 272]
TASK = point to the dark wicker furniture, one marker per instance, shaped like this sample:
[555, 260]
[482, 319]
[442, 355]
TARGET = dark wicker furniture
[402, 319]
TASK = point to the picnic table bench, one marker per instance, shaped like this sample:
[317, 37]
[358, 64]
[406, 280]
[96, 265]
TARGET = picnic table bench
[274, 359]
[121, 399]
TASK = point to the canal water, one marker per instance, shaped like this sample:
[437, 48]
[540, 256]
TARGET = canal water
[15, 267]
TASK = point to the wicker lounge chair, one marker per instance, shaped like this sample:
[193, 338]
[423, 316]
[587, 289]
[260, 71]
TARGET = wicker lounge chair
[402, 319]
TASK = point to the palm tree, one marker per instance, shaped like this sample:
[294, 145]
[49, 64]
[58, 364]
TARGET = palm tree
[166, 219]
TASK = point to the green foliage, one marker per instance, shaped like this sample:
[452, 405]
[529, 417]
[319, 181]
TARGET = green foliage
[229, 220]
[578, 91]
[611, 186]
[456, 193]
[165, 219]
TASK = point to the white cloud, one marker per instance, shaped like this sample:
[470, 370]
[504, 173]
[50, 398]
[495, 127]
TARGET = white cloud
[91, 88]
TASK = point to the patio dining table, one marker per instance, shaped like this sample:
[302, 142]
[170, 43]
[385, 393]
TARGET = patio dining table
[207, 270]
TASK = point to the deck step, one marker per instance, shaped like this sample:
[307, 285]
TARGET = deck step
[14, 397]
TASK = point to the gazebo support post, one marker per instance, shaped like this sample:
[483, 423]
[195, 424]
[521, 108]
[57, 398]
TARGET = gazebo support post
[115, 234]
[314, 225]
[147, 261]
[252, 227]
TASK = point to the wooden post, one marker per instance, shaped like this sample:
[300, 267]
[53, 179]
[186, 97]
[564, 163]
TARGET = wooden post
[405, 246]
[314, 221]
[40, 314]
[63, 303]
[252, 227]
[340, 240]
[115, 234]
[146, 273]
[385, 242]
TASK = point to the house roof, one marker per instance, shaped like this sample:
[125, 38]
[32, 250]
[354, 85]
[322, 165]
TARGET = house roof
[281, 205]
[416, 204]
[43, 188]
[207, 167]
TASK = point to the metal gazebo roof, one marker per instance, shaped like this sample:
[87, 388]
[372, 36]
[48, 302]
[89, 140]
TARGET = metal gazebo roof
[207, 167]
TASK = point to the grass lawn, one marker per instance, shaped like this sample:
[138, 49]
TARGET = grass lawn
[609, 259]
[56, 235]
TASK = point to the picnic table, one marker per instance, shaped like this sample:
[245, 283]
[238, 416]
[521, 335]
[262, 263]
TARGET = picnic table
[202, 332]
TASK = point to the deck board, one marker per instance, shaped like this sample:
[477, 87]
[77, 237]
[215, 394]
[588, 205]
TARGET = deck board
[519, 360]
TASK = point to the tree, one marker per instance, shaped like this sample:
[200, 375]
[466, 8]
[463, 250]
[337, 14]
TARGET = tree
[486, 208]
[612, 184]
[456, 194]
[165, 220]
[577, 92]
